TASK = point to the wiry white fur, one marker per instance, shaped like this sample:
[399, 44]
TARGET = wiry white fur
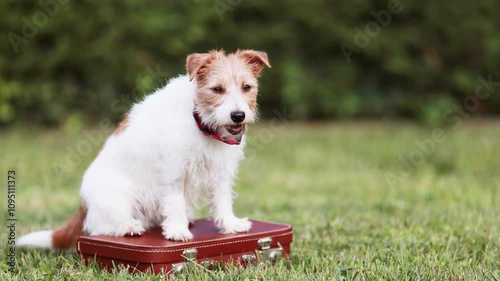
[153, 172]
[39, 239]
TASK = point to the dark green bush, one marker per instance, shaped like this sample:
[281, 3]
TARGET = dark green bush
[69, 62]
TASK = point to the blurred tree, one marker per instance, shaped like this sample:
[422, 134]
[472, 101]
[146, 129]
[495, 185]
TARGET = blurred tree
[67, 62]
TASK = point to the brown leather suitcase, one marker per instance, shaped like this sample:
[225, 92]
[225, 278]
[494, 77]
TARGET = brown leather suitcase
[266, 241]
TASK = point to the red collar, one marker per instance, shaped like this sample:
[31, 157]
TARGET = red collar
[210, 131]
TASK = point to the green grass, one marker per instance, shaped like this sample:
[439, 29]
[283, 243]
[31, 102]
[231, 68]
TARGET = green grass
[329, 181]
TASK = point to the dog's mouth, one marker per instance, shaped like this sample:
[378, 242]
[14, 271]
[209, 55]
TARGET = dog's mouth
[235, 129]
[230, 134]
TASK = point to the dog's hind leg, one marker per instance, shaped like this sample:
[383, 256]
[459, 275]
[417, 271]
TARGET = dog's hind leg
[110, 205]
[112, 218]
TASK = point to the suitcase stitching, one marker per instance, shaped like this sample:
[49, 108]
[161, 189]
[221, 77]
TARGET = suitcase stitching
[171, 251]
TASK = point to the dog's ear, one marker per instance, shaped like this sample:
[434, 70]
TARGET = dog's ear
[256, 59]
[195, 62]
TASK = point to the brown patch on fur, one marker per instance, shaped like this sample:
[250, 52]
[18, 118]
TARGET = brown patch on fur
[212, 100]
[122, 126]
[201, 65]
[255, 59]
[204, 65]
[65, 237]
[251, 99]
[195, 62]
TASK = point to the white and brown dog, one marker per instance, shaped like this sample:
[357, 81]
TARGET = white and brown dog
[184, 140]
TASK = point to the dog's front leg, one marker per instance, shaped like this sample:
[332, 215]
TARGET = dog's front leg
[175, 221]
[222, 209]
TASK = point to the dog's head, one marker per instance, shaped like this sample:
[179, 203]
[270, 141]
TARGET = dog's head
[226, 89]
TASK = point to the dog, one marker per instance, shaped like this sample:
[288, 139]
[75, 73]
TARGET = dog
[184, 140]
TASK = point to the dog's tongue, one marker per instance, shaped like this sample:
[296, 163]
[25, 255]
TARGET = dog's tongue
[234, 129]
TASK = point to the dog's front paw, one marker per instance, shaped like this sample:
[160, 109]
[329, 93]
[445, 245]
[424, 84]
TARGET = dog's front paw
[177, 233]
[235, 225]
[132, 228]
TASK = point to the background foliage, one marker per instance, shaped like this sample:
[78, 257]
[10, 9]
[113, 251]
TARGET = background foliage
[86, 60]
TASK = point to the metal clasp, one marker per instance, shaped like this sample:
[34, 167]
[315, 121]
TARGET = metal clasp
[266, 253]
[247, 259]
[208, 264]
[190, 256]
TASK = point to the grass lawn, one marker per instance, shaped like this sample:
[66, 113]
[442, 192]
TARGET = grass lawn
[359, 209]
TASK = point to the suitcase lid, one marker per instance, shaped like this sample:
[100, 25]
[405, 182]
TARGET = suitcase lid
[152, 247]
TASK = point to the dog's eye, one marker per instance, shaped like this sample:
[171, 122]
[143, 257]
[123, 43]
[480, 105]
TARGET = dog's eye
[246, 88]
[217, 90]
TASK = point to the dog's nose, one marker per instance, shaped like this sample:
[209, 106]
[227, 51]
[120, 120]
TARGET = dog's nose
[238, 116]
